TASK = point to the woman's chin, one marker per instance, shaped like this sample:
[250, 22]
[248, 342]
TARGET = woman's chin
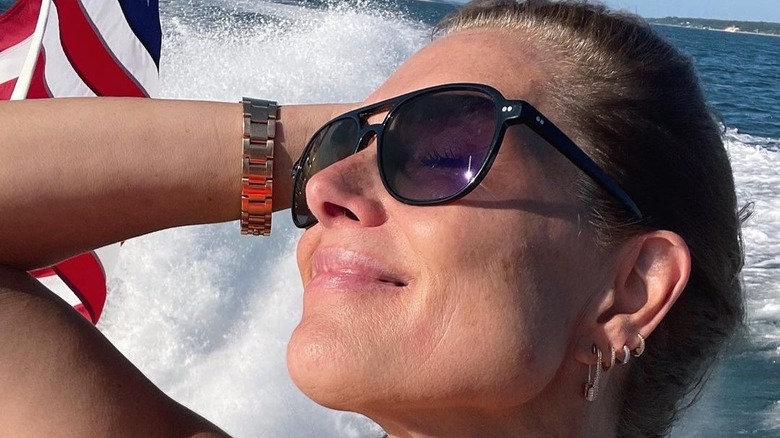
[329, 370]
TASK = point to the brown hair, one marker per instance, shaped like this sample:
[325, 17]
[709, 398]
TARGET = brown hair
[634, 103]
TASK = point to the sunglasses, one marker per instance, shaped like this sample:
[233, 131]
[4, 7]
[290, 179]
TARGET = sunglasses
[435, 145]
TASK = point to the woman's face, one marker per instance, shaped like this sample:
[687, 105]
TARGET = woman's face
[469, 305]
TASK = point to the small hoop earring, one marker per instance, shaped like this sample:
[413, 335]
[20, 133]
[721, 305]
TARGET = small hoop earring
[626, 355]
[594, 377]
[641, 348]
[611, 358]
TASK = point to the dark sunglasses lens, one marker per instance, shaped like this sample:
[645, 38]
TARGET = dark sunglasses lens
[333, 142]
[435, 145]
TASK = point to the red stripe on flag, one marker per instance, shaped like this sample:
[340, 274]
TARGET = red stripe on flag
[83, 311]
[90, 57]
[43, 272]
[18, 22]
[85, 277]
[38, 88]
[7, 89]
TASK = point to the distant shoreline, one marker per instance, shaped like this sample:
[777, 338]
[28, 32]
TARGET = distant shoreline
[730, 26]
[716, 30]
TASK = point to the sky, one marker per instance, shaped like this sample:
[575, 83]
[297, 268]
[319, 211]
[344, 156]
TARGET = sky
[743, 10]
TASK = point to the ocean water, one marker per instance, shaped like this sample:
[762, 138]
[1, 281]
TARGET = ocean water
[741, 76]
[206, 314]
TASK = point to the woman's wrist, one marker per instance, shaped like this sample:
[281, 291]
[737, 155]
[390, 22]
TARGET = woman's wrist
[257, 163]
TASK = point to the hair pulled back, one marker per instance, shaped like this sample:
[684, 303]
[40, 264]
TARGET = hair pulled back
[635, 103]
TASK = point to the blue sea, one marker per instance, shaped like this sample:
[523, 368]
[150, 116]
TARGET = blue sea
[206, 314]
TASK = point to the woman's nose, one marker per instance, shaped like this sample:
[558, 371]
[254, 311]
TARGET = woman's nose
[348, 192]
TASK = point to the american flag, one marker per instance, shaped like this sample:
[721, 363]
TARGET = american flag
[70, 48]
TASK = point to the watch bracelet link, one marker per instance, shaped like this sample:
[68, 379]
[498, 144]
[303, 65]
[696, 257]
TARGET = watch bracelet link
[257, 168]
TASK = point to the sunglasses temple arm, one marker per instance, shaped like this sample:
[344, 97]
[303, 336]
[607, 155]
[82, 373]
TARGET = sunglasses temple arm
[548, 131]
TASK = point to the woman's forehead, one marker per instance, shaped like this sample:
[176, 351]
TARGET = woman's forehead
[500, 58]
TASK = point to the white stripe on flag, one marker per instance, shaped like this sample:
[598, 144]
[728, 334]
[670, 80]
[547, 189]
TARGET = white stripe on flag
[61, 78]
[108, 257]
[56, 285]
[108, 18]
[12, 60]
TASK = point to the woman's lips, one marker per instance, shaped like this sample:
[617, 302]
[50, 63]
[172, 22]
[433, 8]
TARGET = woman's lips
[340, 269]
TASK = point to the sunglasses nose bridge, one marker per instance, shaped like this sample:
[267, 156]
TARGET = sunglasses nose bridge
[369, 133]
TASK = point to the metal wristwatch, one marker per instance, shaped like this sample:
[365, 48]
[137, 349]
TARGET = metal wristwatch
[257, 168]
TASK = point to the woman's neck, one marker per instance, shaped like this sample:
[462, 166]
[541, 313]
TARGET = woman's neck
[559, 413]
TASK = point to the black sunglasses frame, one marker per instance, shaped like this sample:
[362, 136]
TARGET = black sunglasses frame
[509, 113]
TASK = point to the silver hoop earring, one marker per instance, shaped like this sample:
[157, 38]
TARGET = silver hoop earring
[611, 358]
[594, 376]
[626, 355]
[641, 348]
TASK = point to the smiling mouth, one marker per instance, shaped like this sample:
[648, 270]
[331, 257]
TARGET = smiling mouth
[344, 280]
[360, 277]
[350, 269]
[369, 273]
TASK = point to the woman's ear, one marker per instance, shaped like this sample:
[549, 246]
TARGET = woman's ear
[650, 273]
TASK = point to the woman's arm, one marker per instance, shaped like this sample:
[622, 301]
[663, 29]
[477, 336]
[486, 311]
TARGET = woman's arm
[60, 377]
[77, 174]
[80, 173]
